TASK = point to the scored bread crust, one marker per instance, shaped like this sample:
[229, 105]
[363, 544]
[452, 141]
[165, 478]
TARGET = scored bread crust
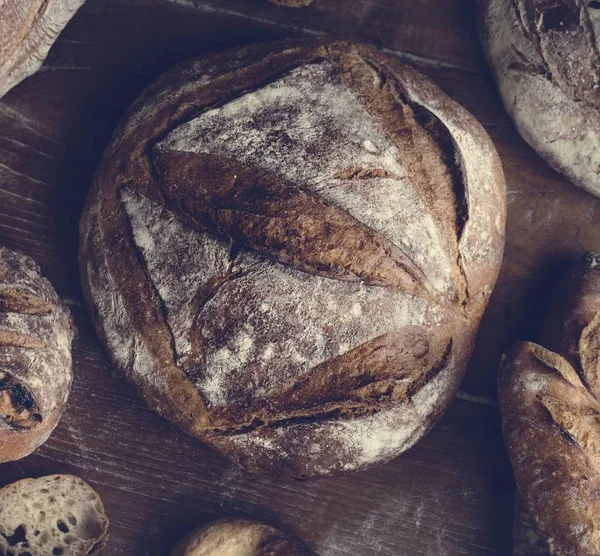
[28, 28]
[56, 514]
[546, 62]
[36, 332]
[551, 419]
[213, 231]
[238, 537]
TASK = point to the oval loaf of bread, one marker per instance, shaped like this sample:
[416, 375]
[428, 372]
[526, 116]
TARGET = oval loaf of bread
[58, 515]
[546, 62]
[28, 28]
[551, 421]
[36, 332]
[238, 537]
[288, 249]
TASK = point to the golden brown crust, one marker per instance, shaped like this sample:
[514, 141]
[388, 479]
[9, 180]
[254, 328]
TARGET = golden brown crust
[36, 332]
[237, 537]
[551, 416]
[547, 418]
[266, 232]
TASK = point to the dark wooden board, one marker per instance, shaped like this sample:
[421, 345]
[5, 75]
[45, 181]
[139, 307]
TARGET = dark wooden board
[452, 493]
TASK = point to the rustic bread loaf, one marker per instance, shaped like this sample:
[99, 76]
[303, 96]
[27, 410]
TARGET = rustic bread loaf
[238, 537]
[28, 28]
[545, 58]
[54, 515]
[288, 249]
[551, 417]
[36, 332]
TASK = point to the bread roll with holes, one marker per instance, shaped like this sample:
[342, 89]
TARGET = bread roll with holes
[36, 332]
[546, 62]
[54, 515]
[238, 537]
[551, 419]
[288, 249]
[28, 28]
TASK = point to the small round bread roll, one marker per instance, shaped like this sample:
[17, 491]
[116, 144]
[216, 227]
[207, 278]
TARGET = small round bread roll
[288, 249]
[238, 537]
[545, 58]
[36, 333]
[51, 516]
[28, 28]
[551, 421]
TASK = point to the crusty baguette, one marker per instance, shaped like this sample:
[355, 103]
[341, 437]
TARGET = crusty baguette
[288, 249]
[28, 28]
[551, 421]
[36, 332]
[50, 516]
[551, 429]
[238, 537]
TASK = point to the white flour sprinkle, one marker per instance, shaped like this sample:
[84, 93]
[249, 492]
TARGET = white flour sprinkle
[309, 128]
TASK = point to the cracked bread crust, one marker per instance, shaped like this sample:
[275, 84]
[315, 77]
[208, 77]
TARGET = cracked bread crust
[546, 62]
[288, 248]
[551, 420]
[36, 332]
[28, 28]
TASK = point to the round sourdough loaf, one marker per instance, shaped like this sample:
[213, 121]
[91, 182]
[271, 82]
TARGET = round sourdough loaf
[238, 537]
[551, 421]
[28, 28]
[545, 58]
[288, 249]
[36, 332]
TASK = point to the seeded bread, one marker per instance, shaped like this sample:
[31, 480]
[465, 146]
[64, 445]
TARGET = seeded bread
[54, 515]
[551, 421]
[546, 61]
[28, 28]
[36, 332]
[288, 249]
[238, 537]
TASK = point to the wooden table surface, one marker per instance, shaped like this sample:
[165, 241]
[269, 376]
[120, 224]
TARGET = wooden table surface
[452, 494]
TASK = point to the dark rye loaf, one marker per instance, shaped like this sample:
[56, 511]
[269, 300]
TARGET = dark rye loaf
[288, 249]
[551, 421]
[546, 61]
[36, 332]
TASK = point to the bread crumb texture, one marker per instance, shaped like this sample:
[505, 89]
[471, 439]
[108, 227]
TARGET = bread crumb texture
[50, 516]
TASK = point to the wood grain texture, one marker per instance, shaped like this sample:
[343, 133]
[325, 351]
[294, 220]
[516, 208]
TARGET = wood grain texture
[452, 493]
